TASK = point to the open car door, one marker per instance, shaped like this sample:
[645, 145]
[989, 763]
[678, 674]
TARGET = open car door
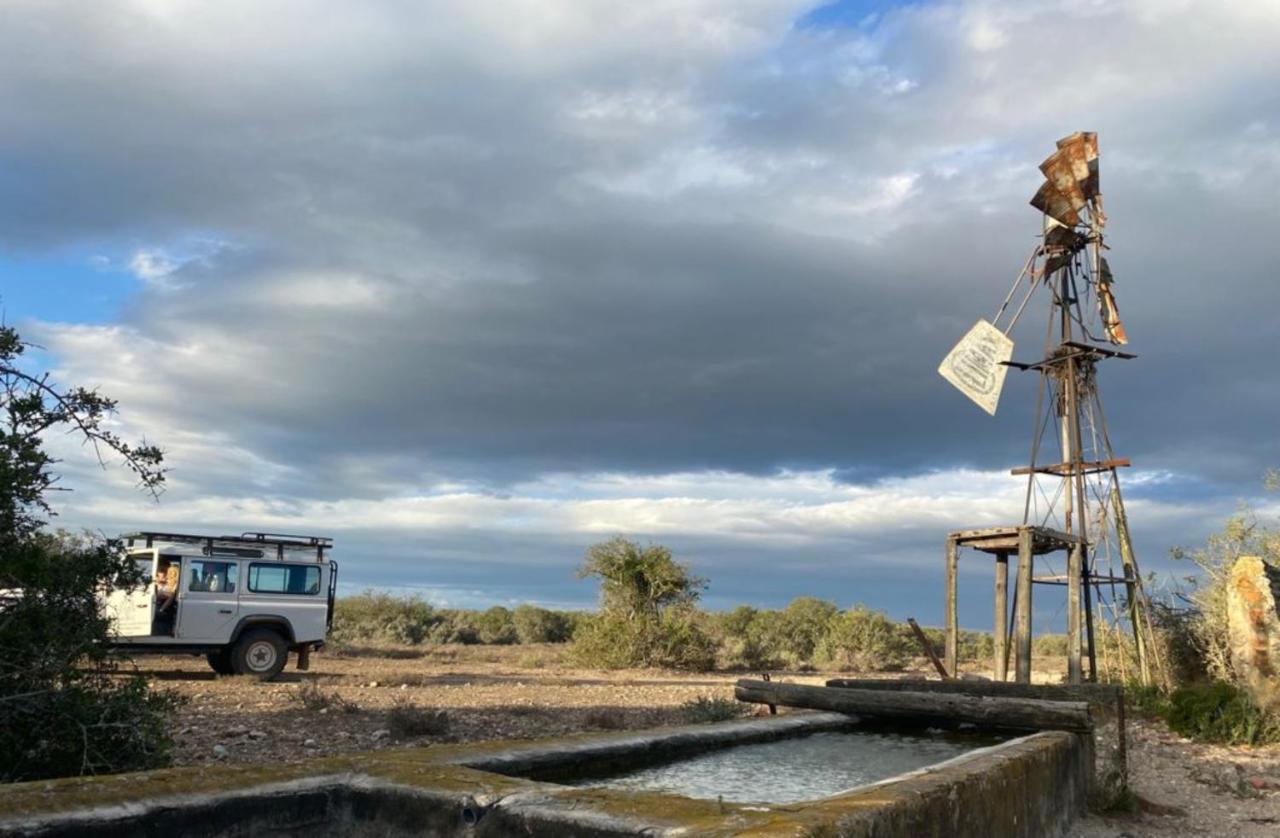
[130, 611]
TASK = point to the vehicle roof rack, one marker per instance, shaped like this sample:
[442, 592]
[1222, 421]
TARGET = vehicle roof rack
[247, 545]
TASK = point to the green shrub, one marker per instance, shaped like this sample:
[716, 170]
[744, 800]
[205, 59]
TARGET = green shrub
[495, 626]
[379, 617]
[800, 627]
[744, 640]
[712, 709]
[671, 640]
[1220, 712]
[647, 611]
[65, 706]
[454, 626]
[863, 640]
[538, 625]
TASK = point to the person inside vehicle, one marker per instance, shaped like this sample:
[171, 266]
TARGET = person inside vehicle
[167, 575]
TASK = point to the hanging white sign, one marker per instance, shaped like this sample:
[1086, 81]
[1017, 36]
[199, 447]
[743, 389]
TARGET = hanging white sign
[975, 365]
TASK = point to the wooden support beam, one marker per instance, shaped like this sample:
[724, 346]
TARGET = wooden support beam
[1061, 579]
[923, 707]
[1022, 629]
[952, 620]
[928, 648]
[1001, 633]
[1064, 469]
[1076, 556]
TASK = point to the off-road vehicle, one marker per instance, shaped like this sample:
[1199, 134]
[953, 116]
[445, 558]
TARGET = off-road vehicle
[243, 601]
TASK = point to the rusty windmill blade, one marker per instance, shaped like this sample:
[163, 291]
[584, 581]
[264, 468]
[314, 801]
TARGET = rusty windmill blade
[1063, 238]
[1066, 168]
[1087, 141]
[1107, 307]
[1057, 206]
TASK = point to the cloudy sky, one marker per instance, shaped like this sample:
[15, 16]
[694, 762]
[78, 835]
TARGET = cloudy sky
[470, 286]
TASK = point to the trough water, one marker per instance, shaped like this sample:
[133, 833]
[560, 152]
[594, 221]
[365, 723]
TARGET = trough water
[795, 769]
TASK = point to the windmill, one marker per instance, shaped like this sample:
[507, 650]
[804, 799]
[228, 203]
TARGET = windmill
[1073, 504]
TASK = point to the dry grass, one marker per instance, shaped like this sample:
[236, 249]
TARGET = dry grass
[407, 720]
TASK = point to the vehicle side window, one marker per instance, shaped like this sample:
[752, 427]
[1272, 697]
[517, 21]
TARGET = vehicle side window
[218, 577]
[284, 579]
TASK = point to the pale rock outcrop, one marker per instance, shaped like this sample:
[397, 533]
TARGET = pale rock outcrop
[1254, 626]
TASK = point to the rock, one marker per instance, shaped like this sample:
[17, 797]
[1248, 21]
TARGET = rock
[324, 711]
[257, 734]
[238, 730]
[1254, 625]
[373, 683]
[220, 751]
[379, 735]
[973, 676]
[310, 743]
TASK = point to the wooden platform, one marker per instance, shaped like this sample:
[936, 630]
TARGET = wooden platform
[997, 540]
[1024, 542]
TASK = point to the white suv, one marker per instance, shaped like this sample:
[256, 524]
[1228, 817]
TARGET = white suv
[243, 601]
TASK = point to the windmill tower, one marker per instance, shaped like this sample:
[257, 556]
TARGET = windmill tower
[1073, 505]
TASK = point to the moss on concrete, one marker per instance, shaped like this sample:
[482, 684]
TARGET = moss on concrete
[1029, 786]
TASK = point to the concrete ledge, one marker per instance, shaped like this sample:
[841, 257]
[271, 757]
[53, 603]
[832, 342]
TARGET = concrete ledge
[630, 751]
[1029, 786]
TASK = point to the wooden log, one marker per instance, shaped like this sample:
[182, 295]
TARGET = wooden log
[1000, 637]
[952, 621]
[923, 707]
[1074, 564]
[1022, 628]
[1101, 698]
[927, 647]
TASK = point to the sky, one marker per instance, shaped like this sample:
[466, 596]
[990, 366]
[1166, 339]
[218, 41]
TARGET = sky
[472, 286]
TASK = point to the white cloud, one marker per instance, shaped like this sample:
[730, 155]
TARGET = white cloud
[563, 269]
[152, 265]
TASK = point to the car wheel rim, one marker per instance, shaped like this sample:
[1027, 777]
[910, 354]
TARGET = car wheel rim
[261, 656]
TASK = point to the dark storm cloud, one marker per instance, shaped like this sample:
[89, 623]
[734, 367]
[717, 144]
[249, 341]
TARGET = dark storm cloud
[457, 246]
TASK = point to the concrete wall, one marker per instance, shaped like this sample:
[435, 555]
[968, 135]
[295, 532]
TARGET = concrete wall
[1031, 786]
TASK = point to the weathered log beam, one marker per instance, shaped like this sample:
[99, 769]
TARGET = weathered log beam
[984, 711]
[1102, 698]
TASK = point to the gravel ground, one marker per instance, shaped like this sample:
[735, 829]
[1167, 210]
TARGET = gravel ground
[520, 692]
[1186, 788]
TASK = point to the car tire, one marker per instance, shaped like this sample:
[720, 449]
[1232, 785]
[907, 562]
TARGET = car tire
[261, 653]
[220, 662]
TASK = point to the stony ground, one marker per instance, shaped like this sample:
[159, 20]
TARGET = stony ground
[385, 698]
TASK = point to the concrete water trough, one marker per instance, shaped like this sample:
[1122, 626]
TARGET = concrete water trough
[1023, 784]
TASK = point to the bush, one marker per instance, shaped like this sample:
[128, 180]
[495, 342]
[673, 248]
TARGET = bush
[744, 639]
[407, 720]
[65, 708]
[379, 617]
[495, 627]
[538, 625]
[454, 627]
[1220, 712]
[863, 640]
[712, 709]
[674, 641]
[1049, 645]
[800, 627]
[647, 615]
[314, 699]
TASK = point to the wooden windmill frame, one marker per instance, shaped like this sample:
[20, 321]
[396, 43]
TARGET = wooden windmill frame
[1073, 504]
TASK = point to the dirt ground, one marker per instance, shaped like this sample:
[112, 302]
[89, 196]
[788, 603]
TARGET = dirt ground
[514, 692]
